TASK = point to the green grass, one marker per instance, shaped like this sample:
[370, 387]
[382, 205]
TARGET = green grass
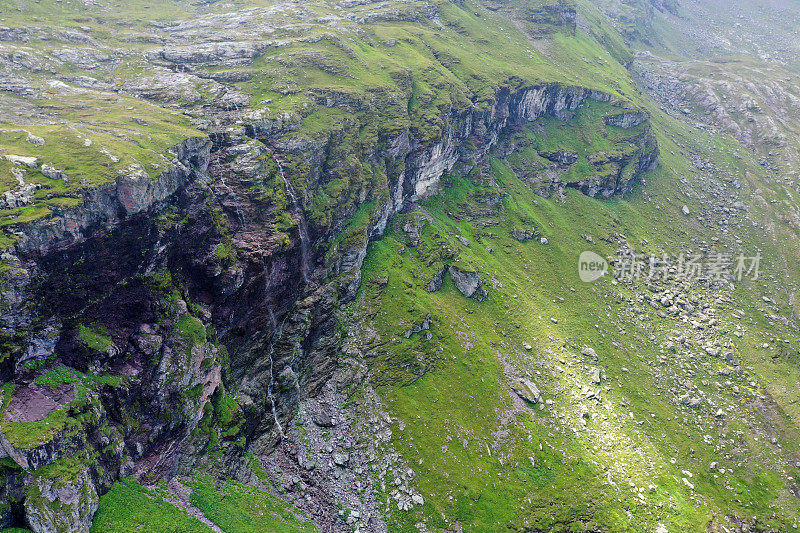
[93, 339]
[500, 464]
[453, 384]
[239, 508]
[88, 166]
[56, 377]
[130, 507]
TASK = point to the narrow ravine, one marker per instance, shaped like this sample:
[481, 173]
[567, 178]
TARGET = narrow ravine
[302, 226]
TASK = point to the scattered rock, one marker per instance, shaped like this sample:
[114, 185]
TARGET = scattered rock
[526, 390]
[523, 235]
[35, 140]
[21, 160]
[686, 399]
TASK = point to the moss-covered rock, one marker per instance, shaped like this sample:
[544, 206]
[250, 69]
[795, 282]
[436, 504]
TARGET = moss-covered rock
[62, 498]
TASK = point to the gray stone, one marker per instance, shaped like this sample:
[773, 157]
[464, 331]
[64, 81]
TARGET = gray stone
[35, 140]
[341, 458]
[468, 283]
[51, 172]
[62, 504]
[527, 390]
[627, 120]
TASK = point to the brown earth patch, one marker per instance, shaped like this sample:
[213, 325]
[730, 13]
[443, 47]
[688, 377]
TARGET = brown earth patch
[32, 403]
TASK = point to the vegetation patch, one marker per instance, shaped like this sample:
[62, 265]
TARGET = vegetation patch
[245, 509]
[129, 506]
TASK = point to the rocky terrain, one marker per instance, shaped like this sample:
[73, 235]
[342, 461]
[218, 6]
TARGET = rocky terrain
[311, 266]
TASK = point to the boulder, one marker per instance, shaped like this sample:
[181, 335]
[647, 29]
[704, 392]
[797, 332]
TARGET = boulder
[341, 459]
[690, 401]
[527, 390]
[51, 172]
[23, 161]
[589, 352]
[523, 235]
[422, 326]
[436, 283]
[35, 140]
[468, 283]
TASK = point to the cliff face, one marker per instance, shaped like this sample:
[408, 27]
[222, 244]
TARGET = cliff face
[307, 263]
[154, 301]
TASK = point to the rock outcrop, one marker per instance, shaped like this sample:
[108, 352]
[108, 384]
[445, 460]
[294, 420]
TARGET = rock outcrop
[196, 282]
[62, 504]
[468, 283]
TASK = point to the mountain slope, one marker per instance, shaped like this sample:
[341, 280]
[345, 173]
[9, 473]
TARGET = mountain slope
[287, 263]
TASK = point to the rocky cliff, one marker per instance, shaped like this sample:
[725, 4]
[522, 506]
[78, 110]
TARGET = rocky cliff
[132, 319]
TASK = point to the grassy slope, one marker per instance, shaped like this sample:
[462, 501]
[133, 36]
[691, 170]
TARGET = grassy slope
[243, 509]
[637, 436]
[130, 507]
[463, 395]
[482, 479]
[234, 507]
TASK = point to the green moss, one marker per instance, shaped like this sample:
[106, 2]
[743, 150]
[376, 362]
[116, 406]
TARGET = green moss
[228, 414]
[224, 252]
[56, 377]
[193, 394]
[94, 340]
[192, 331]
[107, 379]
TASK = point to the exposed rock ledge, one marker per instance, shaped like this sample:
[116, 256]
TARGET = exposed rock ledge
[131, 193]
[421, 167]
[427, 164]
